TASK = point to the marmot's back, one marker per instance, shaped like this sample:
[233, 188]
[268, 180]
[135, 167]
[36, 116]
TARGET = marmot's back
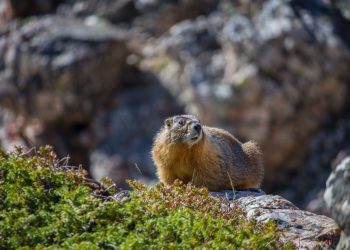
[211, 157]
[242, 161]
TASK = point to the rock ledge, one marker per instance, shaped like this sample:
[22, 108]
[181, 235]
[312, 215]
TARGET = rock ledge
[307, 230]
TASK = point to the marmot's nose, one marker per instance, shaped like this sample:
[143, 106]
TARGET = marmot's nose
[197, 127]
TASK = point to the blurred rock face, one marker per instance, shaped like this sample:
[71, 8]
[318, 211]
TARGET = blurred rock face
[337, 198]
[54, 67]
[153, 17]
[97, 78]
[57, 72]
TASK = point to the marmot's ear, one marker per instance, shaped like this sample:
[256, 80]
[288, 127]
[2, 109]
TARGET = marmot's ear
[168, 122]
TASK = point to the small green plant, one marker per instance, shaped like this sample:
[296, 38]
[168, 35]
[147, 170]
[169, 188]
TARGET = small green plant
[46, 204]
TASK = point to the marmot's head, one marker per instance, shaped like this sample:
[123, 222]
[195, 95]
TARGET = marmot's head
[184, 129]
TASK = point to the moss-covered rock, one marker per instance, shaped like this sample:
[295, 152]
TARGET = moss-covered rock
[47, 204]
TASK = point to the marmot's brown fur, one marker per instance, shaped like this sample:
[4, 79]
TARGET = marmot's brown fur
[205, 156]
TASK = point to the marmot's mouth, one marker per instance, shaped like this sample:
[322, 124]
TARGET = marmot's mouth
[194, 138]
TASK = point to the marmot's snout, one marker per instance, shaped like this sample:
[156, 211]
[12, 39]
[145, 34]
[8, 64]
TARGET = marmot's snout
[194, 132]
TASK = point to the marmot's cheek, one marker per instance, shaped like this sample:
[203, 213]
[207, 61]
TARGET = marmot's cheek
[176, 137]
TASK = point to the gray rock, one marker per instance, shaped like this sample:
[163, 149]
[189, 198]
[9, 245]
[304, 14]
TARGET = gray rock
[51, 62]
[305, 229]
[337, 198]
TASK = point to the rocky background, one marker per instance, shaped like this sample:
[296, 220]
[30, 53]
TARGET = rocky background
[96, 78]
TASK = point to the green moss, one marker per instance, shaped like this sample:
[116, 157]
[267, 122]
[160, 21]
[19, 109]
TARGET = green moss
[48, 205]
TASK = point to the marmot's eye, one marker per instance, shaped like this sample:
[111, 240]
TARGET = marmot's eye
[182, 122]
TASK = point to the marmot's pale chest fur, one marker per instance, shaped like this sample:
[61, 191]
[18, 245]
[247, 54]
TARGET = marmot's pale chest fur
[184, 149]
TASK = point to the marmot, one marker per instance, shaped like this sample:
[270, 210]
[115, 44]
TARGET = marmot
[184, 149]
